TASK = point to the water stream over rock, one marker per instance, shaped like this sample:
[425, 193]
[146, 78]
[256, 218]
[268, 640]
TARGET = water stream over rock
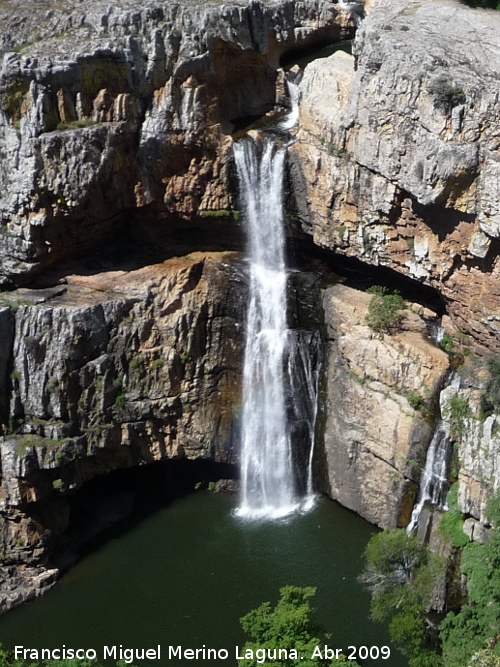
[434, 484]
[277, 365]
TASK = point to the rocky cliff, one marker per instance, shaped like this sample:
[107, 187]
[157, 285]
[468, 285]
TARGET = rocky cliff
[396, 164]
[397, 158]
[106, 108]
[114, 127]
[116, 122]
[372, 429]
[112, 370]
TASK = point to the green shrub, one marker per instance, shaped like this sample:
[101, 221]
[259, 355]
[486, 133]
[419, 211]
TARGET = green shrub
[416, 400]
[76, 124]
[446, 343]
[445, 94]
[452, 523]
[385, 309]
[459, 411]
[476, 625]
[288, 624]
[120, 401]
[490, 400]
[402, 574]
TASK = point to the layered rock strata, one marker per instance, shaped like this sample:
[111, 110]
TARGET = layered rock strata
[374, 440]
[113, 370]
[396, 161]
[105, 109]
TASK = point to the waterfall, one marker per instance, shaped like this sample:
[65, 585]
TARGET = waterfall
[434, 484]
[434, 480]
[275, 363]
[356, 8]
[293, 80]
[303, 366]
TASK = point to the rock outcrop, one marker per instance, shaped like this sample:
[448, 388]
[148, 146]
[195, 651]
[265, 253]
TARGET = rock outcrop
[397, 159]
[105, 109]
[118, 119]
[113, 370]
[374, 440]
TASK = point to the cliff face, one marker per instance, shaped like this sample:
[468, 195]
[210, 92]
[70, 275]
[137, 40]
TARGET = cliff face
[106, 109]
[371, 431]
[115, 121]
[397, 155]
[113, 370]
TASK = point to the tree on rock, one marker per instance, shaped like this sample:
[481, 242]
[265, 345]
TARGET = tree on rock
[402, 575]
[385, 310]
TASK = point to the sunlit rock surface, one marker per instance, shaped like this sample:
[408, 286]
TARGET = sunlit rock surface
[373, 438]
[397, 154]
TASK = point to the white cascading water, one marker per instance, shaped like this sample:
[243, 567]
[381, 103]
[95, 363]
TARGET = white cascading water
[293, 80]
[434, 480]
[267, 479]
[434, 484]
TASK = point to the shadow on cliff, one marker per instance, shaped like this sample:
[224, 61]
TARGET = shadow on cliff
[110, 506]
[148, 238]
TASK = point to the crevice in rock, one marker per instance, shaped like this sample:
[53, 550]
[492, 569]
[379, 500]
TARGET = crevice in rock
[320, 48]
[360, 275]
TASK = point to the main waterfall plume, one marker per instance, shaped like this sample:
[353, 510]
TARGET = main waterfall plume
[268, 487]
[267, 481]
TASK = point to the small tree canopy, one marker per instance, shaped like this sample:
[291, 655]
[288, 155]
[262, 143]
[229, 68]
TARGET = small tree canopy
[385, 309]
[286, 626]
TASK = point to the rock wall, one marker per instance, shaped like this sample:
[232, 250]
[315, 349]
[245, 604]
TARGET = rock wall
[104, 109]
[114, 116]
[396, 161]
[374, 440]
[112, 370]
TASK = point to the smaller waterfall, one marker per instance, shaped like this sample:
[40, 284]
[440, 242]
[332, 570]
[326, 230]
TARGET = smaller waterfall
[293, 80]
[356, 8]
[434, 480]
[434, 484]
[303, 366]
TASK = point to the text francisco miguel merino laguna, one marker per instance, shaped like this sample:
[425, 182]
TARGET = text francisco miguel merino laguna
[129, 655]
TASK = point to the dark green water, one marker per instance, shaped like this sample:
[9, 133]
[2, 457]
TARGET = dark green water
[187, 573]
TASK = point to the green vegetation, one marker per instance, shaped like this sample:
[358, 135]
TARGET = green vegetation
[219, 213]
[12, 98]
[490, 400]
[341, 231]
[76, 124]
[458, 411]
[120, 400]
[485, 658]
[52, 384]
[452, 523]
[446, 95]
[416, 400]
[447, 343]
[385, 310]
[410, 240]
[287, 625]
[401, 575]
[476, 626]
[24, 442]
